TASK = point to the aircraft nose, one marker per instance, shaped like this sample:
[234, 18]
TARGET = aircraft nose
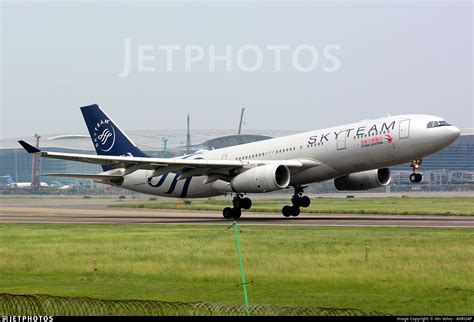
[453, 133]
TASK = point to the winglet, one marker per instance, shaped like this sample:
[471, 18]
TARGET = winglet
[29, 148]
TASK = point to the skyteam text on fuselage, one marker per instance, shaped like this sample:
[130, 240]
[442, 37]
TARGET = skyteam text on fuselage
[356, 156]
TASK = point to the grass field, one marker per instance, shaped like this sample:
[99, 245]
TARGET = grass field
[463, 206]
[409, 270]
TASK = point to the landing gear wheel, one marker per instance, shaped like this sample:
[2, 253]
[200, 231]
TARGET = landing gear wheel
[305, 201]
[241, 203]
[416, 177]
[295, 211]
[246, 203]
[296, 201]
[286, 211]
[237, 202]
[236, 213]
[227, 212]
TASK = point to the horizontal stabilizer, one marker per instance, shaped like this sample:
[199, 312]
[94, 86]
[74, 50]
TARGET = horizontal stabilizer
[83, 176]
[29, 148]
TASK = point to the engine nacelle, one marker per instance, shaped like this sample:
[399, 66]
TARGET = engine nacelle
[263, 178]
[364, 180]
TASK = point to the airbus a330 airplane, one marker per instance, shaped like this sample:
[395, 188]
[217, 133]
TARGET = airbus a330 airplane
[356, 156]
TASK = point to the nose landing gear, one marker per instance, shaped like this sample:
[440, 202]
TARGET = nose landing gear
[298, 200]
[416, 177]
[239, 204]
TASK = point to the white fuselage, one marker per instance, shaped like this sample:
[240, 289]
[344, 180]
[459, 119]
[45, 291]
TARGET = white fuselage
[339, 150]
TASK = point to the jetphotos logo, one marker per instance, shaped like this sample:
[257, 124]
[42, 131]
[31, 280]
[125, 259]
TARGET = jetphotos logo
[376, 141]
[104, 135]
[247, 58]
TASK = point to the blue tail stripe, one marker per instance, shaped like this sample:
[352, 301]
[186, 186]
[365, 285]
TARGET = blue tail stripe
[184, 193]
[160, 183]
[173, 184]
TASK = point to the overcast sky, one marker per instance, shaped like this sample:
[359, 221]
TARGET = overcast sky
[354, 60]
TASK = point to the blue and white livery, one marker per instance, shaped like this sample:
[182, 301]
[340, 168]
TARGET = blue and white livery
[356, 156]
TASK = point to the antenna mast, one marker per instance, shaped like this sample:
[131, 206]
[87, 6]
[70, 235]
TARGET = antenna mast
[241, 120]
[35, 183]
[188, 139]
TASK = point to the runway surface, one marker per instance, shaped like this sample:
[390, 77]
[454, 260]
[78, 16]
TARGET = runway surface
[96, 212]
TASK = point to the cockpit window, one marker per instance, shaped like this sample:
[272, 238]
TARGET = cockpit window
[437, 123]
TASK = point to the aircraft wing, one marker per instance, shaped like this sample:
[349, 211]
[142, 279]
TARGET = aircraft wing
[187, 167]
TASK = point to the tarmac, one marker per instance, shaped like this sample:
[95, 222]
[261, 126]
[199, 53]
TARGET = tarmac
[96, 211]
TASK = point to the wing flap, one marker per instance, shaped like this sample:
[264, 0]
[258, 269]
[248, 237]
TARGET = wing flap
[84, 176]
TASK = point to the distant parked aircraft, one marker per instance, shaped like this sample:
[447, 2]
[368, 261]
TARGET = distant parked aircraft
[58, 185]
[11, 183]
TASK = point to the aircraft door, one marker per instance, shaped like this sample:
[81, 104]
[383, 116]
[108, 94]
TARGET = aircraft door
[404, 130]
[341, 140]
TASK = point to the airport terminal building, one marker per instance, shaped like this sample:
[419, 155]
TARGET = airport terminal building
[450, 169]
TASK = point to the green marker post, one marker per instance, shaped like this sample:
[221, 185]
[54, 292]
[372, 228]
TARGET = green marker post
[241, 265]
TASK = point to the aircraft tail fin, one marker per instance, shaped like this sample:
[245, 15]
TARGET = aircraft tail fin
[107, 137]
[7, 180]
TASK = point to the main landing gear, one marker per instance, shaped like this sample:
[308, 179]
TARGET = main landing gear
[298, 200]
[239, 204]
[416, 177]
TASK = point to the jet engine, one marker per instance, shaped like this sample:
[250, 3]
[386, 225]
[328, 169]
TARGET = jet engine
[364, 180]
[263, 178]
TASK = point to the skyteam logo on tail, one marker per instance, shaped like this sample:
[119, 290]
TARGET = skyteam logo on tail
[104, 135]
